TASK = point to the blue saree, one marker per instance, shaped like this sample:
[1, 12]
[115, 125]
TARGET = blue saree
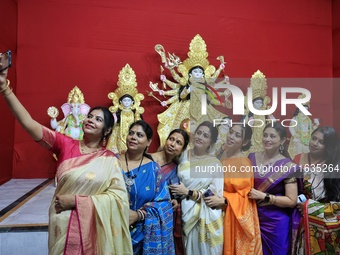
[154, 235]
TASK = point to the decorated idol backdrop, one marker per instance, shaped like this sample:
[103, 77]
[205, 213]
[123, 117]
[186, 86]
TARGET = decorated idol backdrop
[62, 45]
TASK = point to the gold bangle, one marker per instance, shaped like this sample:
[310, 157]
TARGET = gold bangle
[10, 91]
[195, 195]
[7, 85]
[272, 199]
[198, 196]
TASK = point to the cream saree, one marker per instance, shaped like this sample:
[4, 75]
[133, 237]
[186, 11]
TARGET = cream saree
[99, 223]
[203, 226]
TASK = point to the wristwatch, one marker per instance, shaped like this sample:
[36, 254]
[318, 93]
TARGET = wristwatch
[190, 193]
[266, 198]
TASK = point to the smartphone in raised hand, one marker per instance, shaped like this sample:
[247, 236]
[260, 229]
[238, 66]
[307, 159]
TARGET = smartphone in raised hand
[6, 60]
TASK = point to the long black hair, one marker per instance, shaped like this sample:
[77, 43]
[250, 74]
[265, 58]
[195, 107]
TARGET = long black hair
[332, 160]
[331, 143]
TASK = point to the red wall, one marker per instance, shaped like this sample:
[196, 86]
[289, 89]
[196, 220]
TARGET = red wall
[8, 35]
[86, 43]
[336, 62]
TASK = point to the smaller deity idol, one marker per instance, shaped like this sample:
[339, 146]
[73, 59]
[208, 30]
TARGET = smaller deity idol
[75, 110]
[258, 83]
[301, 129]
[126, 108]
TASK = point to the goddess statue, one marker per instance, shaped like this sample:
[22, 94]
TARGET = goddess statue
[126, 108]
[258, 83]
[301, 128]
[75, 110]
[193, 77]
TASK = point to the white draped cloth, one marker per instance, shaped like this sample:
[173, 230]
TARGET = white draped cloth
[203, 226]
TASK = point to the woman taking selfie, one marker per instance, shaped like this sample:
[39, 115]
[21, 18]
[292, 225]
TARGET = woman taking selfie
[90, 194]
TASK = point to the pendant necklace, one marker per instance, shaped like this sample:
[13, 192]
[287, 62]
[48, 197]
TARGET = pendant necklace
[130, 179]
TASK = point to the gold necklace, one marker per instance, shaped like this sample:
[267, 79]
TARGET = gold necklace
[84, 148]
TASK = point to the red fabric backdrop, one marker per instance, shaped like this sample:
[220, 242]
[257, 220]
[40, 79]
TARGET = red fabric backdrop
[8, 35]
[336, 62]
[86, 43]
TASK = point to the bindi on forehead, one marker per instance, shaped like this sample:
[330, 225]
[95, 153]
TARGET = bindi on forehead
[178, 138]
[97, 112]
[204, 131]
[137, 129]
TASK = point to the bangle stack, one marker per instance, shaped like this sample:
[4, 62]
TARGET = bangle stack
[190, 194]
[194, 195]
[4, 90]
[198, 199]
[272, 199]
[141, 215]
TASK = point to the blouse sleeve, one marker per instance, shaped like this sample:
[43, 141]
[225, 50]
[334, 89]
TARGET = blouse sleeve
[53, 141]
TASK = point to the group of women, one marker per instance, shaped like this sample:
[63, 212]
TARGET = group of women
[141, 203]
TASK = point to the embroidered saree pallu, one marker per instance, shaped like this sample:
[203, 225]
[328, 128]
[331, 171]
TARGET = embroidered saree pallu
[319, 229]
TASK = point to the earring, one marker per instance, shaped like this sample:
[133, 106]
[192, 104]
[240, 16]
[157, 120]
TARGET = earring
[281, 148]
[104, 141]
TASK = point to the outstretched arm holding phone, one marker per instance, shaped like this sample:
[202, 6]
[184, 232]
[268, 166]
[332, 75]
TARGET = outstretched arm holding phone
[20, 113]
